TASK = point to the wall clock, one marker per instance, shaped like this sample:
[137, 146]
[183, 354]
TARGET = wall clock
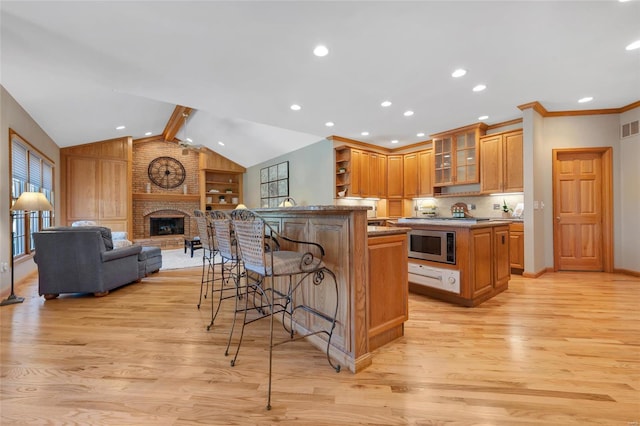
[166, 172]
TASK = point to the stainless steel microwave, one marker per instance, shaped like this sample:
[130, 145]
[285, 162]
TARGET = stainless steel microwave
[437, 246]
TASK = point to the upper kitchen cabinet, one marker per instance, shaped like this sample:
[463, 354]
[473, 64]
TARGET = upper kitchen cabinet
[418, 179]
[360, 173]
[456, 159]
[395, 175]
[501, 166]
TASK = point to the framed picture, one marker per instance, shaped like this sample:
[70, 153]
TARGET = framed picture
[274, 184]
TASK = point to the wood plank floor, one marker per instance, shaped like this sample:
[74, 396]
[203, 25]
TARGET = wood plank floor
[558, 350]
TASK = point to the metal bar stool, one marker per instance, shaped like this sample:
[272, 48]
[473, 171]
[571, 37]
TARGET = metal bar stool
[264, 265]
[205, 229]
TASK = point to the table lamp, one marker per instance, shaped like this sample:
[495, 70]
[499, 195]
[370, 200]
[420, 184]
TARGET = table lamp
[27, 202]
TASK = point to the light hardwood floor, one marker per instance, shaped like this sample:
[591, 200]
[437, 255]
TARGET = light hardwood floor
[558, 350]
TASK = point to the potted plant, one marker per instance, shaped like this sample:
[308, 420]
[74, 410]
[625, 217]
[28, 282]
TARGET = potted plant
[506, 210]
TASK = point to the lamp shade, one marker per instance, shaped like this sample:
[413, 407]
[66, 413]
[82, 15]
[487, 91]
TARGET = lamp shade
[32, 201]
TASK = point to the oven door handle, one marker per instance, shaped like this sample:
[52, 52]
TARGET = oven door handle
[439, 278]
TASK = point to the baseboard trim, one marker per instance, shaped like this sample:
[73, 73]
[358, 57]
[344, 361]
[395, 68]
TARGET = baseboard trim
[626, 272]
[537, 274]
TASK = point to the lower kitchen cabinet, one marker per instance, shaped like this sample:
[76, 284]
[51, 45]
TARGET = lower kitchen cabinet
[516, 247]
[388, 290]
[482, 261]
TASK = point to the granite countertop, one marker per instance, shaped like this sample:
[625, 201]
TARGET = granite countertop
[327, 208]
[449, 223]
[376, 231]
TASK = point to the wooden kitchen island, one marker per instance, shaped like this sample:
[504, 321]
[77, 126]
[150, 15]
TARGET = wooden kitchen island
[481, 260]
[371, 269]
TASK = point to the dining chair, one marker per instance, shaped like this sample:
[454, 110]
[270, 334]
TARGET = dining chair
[206, 234]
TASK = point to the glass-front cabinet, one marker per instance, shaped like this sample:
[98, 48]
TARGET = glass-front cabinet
[455, 155]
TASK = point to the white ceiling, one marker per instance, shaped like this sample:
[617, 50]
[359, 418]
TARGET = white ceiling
[82, 68]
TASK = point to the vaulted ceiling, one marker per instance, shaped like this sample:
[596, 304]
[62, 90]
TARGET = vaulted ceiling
[82, 68]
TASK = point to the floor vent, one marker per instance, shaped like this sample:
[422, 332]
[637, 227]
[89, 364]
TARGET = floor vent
[630, 129]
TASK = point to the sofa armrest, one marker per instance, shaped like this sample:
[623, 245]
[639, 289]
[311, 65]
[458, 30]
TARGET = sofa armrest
[114, 254]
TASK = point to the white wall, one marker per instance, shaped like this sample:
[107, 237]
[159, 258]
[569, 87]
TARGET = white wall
[13, 116]
[573, 132]
[311, 179]
[627, 235]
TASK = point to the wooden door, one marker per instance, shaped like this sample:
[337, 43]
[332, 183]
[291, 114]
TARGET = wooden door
[491, 164]
[356, 183]
[82, 193]
[582, 199]
[365, 177]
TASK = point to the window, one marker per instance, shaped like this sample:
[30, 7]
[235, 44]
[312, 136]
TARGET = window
[30, 171]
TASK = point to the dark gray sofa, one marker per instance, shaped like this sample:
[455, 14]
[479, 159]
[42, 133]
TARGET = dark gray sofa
[82, 260]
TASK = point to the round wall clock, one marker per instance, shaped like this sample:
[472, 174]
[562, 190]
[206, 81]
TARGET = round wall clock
[166, 172]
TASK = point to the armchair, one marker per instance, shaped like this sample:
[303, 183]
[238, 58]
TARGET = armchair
[82, 260]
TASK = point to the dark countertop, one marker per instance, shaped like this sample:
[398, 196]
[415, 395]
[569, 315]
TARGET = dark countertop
[376, 231]
[431, 223]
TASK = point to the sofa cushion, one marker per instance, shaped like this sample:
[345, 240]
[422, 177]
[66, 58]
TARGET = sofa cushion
[105, 232]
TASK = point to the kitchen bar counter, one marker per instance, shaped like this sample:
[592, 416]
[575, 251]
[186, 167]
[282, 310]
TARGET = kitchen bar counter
[349, 244]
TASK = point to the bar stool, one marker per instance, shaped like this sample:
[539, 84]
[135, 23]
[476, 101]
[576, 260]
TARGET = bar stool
[208, 253]
[229, 265]
[264, 264]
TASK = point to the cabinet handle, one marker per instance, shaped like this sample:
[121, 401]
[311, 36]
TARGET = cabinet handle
[503, 239]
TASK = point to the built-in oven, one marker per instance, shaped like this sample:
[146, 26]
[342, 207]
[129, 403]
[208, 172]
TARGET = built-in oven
[433, 245]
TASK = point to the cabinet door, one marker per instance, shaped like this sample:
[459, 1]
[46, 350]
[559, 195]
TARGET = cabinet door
[501, 265]
[395, 176]
[491, 164]
[512, 174]
[82, 193]
[481, 281]
[466, 158]
[378, 175]
[425, 173]
[443, 161]
[365, 177]
[113, 190]
[516, 246]
[410, 175]
[356, 184]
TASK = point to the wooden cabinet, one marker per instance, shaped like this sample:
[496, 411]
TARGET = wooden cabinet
[387, 289]
[501, 164]
[456, 155]
[96, 184]
[418, 179]
[395, 176]
[410, 175]
[360, 173]
[516, 247]
[378, 175]
[223, 190]
[482, 258]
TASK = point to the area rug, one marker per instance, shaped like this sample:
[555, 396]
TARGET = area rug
[178, 259]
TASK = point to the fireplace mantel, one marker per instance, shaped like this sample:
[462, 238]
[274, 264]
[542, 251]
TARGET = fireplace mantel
[157, 196]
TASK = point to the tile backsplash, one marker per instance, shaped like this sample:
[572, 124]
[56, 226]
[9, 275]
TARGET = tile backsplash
[484, 205]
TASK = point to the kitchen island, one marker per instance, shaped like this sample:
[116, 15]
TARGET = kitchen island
[371, 269]
[477, 270]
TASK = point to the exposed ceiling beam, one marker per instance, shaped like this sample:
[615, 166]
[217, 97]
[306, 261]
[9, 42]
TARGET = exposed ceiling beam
[175, 122]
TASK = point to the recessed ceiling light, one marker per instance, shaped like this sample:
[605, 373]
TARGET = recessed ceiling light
[329, 124]
[364, 133]
[148, 133]
[623, 1]
[421, 134]
[633, 46]
[585, 99]
[479, 88]
[120, 127]
[385, 103]
[189, 140]
[458, 73]
[483, 117]
[394, 141]
[220, 143]
[408, 113]
[295, 107]
[320, 50]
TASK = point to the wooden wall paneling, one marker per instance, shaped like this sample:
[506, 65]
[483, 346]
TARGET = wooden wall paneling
[82, 191]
